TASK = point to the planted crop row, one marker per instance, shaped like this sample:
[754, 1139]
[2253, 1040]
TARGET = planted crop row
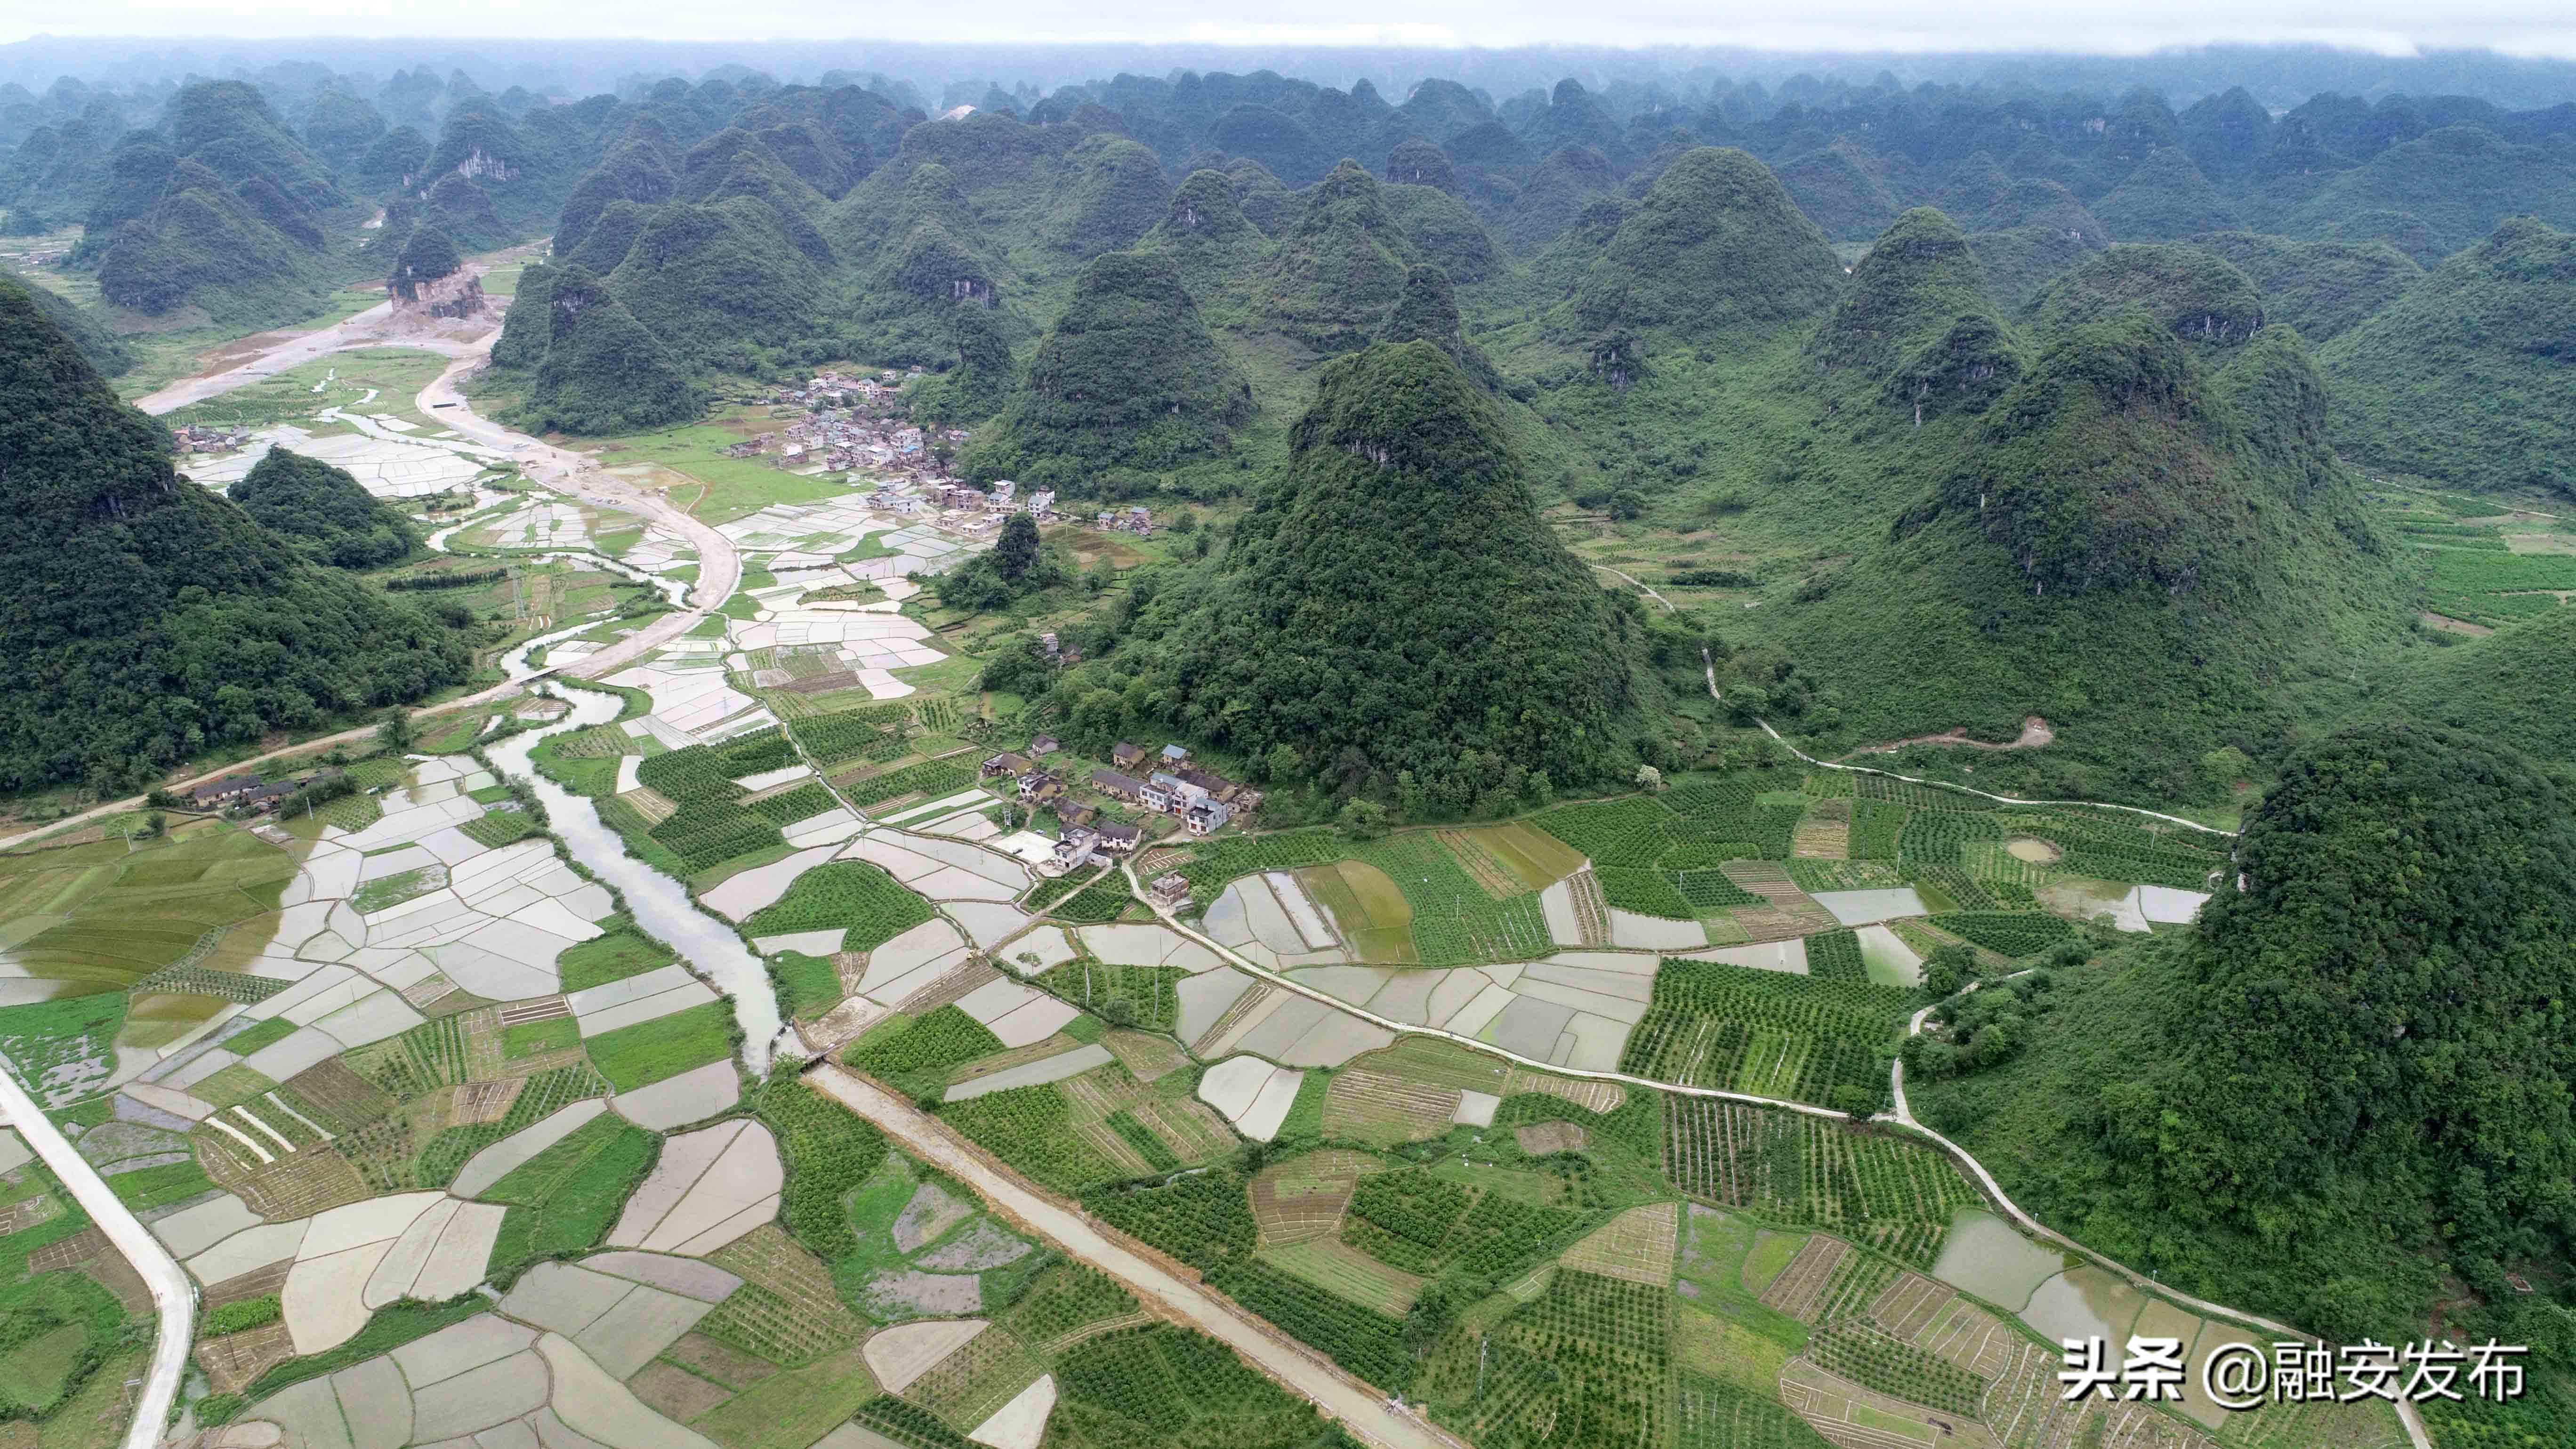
[802, 803]
[1066, 1297]
[1031, 1128]
[1203, 1218]
[1637, 1123]
[1874, 827]
[1411, 1204]
[930, 777]
[1921, 797]
[1718, 1415]
[1835, 956]
[755, 754]
[705, 834]
[1628, 831]
[942, 1038]
[1892, 1193]
[2013, 934]
[1972, 891]
[1163, 1382]
[2185, 870]
[1873, 1360]
[1139, 996]
[1933, 837]
[1362, 1340]
[1820, 1040]
[688, 776]
[829, 1151]
[1213, 863]
[1455, 920]
[875, 733]
[869, 906]
[1104, 899]
[1647, 892]
[1141, 1137]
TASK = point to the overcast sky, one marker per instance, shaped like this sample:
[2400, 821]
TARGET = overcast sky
[2521, 27]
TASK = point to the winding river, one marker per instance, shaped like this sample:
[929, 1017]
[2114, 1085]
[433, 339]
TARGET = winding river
[659, 904]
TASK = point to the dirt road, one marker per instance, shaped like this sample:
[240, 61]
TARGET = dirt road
[174, 1298]
[365, 329]
[1361, 1409]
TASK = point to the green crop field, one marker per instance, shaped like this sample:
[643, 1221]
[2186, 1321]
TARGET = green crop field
[1031, 1128]
[869, 906]
[1894, 1194]
[619, 952]
[649, 1051]
[928, 778]
[1816, 1039]
[1202, 1218]
[936, 1040]
[829, 1151]
[2012, 933]
[565, 1198]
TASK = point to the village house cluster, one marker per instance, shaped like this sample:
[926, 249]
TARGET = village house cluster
[847, 426]
[199, 438]
[248, 794]
[1203, 801]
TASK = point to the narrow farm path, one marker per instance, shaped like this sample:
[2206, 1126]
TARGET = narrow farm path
[2035, 732]
[1361, 1409]
[1642, 587]
[174, 1298]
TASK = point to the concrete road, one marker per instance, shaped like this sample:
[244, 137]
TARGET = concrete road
[174, 1298]
[1361, 1409]
[366, 329]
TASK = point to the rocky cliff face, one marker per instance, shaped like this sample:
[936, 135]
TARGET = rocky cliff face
[454, 297]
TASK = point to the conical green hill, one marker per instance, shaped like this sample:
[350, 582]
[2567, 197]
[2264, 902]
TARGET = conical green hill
[1116, 196]
[1716, 248]
[1571, 179]
[87, 329]
[2470, 377]
[1427, 311]
[427, 255]
[1337, 271]
[2323, 288]
[2040, 203]
[980, 382]
[1443, 232]
[464, 210]
[610, 235]
[753, 180]
[1972, 186]
[153, 620]
[2165, 199]
[2193, 292]
[634, 171]
[602, 372]
[1127, 377]
[1840, 191]
[1206, 235]
[1395, 599]
[528, 325]
[1421, 163]
[322, 511]
[707, 279]
[2131, 498]
[1918, 278]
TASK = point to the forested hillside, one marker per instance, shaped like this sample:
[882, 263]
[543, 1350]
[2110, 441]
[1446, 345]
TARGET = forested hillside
[152, 617]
